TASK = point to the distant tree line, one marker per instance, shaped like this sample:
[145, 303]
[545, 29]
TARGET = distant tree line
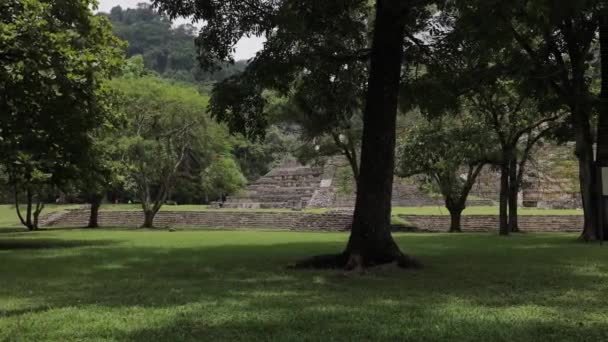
[169, 51]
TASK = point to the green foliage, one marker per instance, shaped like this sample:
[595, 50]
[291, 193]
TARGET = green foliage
[54, 59]
[345, 181]
[449, 152]
[170, 147]
[257, 158]
[222, 177]
[165, 134]
[317, 45]
[168, 51]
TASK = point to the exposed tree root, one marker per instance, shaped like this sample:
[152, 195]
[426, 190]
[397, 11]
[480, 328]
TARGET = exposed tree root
[355, 262]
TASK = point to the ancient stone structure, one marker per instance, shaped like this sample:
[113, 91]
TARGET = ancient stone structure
[290, 185]
[337, 221]
[209, 219]
[550, 182]
[489, 223]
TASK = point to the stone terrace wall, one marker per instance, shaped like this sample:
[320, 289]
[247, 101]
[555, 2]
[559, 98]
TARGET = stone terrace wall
[487, 223]
[339, 221]
[211, 219]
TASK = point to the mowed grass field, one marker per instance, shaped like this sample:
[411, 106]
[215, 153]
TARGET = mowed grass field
[118, 285]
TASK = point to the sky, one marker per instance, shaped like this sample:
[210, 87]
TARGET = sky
[245, 49]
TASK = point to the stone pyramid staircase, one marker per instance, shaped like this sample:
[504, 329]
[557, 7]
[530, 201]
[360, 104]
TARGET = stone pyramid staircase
[291, 185]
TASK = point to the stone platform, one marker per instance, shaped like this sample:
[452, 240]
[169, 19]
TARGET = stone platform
[337, 221]
[291, 185]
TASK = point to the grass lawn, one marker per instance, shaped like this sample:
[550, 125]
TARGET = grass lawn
[78, 285]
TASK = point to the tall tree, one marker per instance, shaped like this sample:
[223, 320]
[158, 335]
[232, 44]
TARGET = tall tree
[518, 123]
[168, 137]
[54, 62]
[451, 153]
[602, 129]
[302, 34]
[552, 40]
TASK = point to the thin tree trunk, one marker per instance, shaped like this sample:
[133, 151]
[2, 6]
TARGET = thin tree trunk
[94, 214]
[28, 214]
[504, 199]
[513, 197]
[17, 208]
[371, 242]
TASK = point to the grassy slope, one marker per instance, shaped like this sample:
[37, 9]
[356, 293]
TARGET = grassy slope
[194, 286]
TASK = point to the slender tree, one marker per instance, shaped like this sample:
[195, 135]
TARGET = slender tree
[552, 41]
[166, 127]
[450, 152]
[518, 123]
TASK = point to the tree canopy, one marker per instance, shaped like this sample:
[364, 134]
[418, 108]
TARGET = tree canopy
[170, 51]
[54, 58]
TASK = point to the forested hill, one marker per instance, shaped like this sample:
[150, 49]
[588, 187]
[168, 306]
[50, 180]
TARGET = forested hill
[168, 50]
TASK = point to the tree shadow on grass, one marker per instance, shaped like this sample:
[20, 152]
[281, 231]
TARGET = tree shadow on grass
[17, 244]
[429, 325]
[243, 292]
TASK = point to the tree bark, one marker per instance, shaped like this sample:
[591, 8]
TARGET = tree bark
[513, 197]
[36, 214]
[503, 214]
[94, 214]
[30, 221]
[371, 242]
[602, 129]
[587, 176]
[455, 219]
[148, 219]
[29, 198]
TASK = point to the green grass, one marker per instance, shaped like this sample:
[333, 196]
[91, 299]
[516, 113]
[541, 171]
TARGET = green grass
[233, 286]
[482, 211]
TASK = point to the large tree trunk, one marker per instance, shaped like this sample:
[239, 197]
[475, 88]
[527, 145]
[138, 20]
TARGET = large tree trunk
[602, 129]
[587, 176]
[148, 219]
[94, 214]
[371, 242]
[503, 220]
[455, 219]
[513, 196]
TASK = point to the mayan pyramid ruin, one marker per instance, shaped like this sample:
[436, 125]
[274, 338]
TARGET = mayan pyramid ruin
[291, 185]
